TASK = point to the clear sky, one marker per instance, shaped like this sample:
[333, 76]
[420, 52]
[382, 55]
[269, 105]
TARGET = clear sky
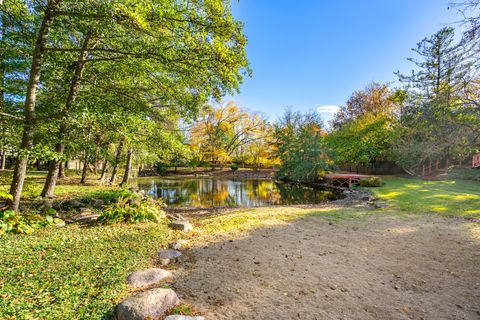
[312, 53]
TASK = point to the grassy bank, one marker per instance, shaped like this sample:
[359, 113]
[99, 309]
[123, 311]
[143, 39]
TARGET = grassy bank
[79, 272]
[447, 197]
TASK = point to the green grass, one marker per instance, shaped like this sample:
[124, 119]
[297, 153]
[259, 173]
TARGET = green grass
[445, 197]
[73, 272]
[79, 272]
[68, 187]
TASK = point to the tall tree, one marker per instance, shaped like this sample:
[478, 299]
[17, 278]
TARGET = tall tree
[301, 147]
[223, 130]
[433, 123]
[375, 100]
[30, 100]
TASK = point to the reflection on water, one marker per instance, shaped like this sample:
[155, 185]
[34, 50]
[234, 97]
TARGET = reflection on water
[219, 192]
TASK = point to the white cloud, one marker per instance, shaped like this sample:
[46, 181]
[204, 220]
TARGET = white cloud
[328, 109]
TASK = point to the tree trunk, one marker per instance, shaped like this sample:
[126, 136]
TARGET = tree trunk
[2, 84]
[104, 170]
[61, 170]
[85, 168]
[53, 165]
[128, 168]
[4, 159]
[26, 146]
[115, 164]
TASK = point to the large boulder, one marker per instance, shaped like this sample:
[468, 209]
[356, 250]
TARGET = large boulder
[150, 304]
[179, 317]
[181, 225]
[147, 277]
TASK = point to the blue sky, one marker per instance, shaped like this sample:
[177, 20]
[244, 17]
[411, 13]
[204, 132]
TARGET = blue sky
[312, 53]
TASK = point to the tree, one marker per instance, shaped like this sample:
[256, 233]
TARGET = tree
[375, 100]
[166, 55]
[30, 100]
[363, 140]
[300, 145]
[435, 123]
[224, 130]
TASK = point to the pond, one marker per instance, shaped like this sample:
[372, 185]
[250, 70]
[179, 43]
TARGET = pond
[230, 192]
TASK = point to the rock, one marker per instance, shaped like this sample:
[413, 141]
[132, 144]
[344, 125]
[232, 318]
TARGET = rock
[60, 224]
[167, 256]
[97, 203]
[46, 204]
[85, 215]
[84, 212]
[75, 204]
[147, 277]
[177, 245]
[181, 225]
[380, 205]
[179, 317]
[150, 304]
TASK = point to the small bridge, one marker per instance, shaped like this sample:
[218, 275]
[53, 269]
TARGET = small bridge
[346, 179]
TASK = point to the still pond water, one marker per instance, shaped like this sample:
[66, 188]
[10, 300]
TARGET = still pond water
[230, 192]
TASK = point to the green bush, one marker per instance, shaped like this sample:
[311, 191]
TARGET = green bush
[234, 167]
[4, 197]
[110, 196]
[372, 182]
[128, 211]
[25, 223]
[161, 168]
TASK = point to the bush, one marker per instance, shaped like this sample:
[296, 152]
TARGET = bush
[110, 197]
[4, 197]
[25, 223]
[234, 167]
[128, 211]
[372, 182]
[161, 168]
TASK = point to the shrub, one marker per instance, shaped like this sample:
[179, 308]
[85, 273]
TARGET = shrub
[111, 196]
[25, 223]
[234, 167]
[161, 168]
[128, 211]
[372, 182]
[4, 197]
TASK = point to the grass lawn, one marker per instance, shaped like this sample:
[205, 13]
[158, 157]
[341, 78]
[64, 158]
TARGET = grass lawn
[79, 272]
[446, 197]
[67, 187]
